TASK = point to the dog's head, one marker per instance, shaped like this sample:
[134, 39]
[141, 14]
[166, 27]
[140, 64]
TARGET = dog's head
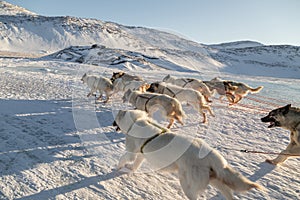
[167, 78]
[153, 87]
[144, 87]
[83, 79]
[126, 118]
[116, 75]
[277, 117]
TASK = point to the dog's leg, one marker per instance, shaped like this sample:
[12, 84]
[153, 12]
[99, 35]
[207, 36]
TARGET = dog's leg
[91, 92]
[209, 110]
[137, 163]
[179, 119]
[107, 97]
[193, 182]
[238, 98]
[171, 123]
[204, 117]
[224, 189]
[292, 148]
[230, 98]
[106, 100]
[126, 158]
[207, 99]
[220, 98]
[100, 97]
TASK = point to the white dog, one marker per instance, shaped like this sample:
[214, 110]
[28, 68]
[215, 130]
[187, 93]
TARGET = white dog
[190, 83]
[102, 84]
[191, 96]
[168, 151]
[120, 85]
[150, 102]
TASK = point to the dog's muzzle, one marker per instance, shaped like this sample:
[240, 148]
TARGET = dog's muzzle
[272, 121]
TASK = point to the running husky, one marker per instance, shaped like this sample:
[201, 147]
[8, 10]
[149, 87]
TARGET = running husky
[126, 77]
[222, 89]
[190, 83]
[239, 90]
[146, 140]
[288, 118]
[149, 102]
[191, 96]
[102, 84]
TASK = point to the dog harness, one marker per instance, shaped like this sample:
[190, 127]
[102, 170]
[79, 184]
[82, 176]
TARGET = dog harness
[187, 81]
[148, 99]
[153, 137]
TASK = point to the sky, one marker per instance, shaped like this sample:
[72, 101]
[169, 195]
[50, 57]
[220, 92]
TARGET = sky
[204, 21]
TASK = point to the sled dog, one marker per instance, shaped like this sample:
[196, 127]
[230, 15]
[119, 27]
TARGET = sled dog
[102, 84]
[222, 89]
[288, 118]
[150, 102]
[191, 96]
[126, 77]
[190, 83]
[146, 140]
[238, 89]
[121, 85]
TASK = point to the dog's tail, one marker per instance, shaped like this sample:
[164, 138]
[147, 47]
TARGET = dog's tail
[255, 90]
[235, 180]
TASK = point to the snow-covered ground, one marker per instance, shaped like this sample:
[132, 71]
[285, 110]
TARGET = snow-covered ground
[56, 143]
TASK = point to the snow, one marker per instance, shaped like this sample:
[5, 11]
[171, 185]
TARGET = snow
[55, 143]
[235, 45]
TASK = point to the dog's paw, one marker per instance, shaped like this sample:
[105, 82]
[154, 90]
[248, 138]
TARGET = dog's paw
[271, 162]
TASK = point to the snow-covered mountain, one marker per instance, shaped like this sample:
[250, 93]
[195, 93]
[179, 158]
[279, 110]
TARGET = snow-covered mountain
[237, 44]
[273, 60]
[54, 33]
[9, 9]
[130, 60]
[42, 34]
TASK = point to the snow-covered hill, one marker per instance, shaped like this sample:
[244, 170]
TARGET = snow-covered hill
[273, 60]
[51, 34]
[237, 44]
[130, 60]
[9, 9]
[41, 34]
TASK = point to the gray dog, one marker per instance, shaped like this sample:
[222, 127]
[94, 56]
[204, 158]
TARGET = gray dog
[288, 118]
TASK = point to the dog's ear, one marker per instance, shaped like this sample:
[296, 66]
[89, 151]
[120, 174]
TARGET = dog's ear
[84, 75]
[166, 77]
[156, 84]
[286, 109]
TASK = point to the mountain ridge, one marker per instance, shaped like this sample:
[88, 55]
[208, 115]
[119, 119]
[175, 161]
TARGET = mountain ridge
[31, 33]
